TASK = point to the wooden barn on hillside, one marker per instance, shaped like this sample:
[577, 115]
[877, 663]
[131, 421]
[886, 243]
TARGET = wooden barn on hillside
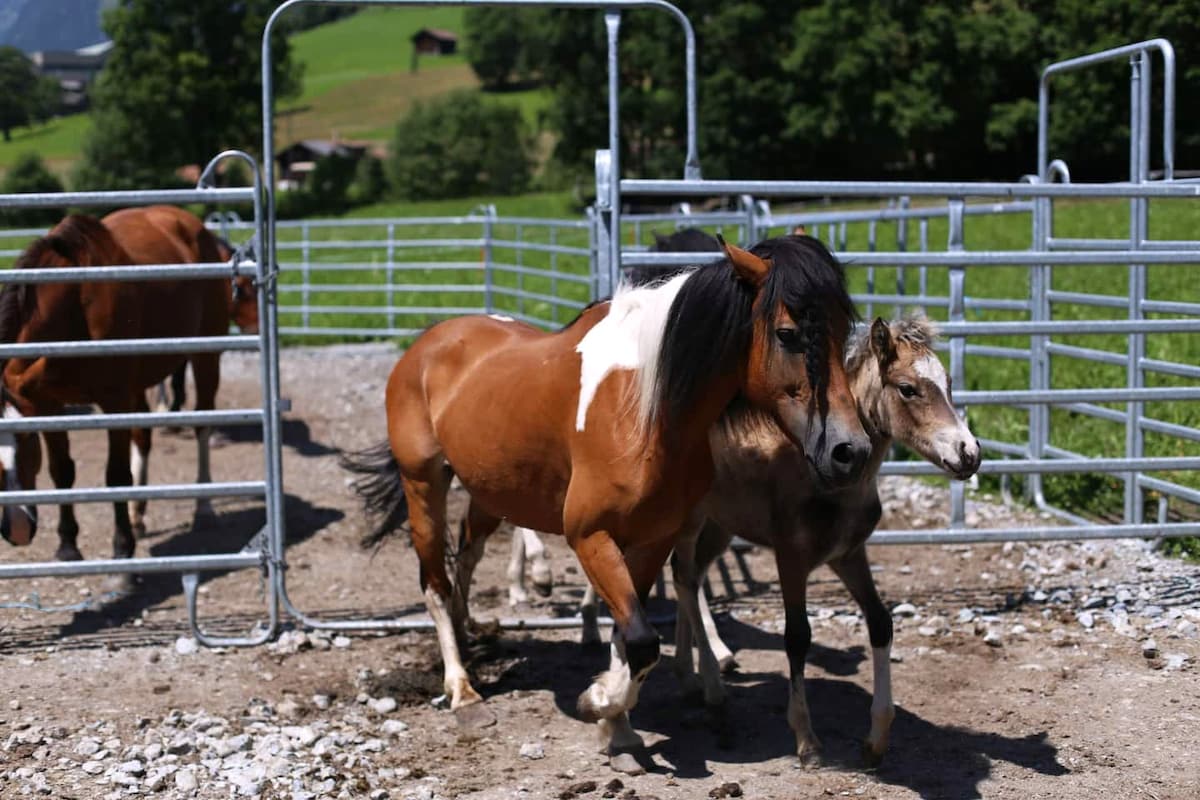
[435, 42]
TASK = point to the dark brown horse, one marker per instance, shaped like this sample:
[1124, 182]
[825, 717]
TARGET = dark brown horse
[103, 311]
[600, 432]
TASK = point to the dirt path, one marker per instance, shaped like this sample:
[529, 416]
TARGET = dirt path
[1069, 701]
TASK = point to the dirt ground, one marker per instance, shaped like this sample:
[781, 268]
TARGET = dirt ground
[1066, 699]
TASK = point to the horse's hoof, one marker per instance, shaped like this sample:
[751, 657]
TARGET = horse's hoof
[626, 764]
[205, 512]
[120, 584]
[544, 589]
[810, 757]
[728, 665]
[474, 716]
[871, 758]
[68, 553]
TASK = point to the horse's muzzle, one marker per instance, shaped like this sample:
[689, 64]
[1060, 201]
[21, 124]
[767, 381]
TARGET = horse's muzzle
[18, 524]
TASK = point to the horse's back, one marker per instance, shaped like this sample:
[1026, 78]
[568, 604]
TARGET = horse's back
[495, 399]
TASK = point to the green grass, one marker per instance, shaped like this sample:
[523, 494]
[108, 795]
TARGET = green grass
[58, 142]
[373, 42]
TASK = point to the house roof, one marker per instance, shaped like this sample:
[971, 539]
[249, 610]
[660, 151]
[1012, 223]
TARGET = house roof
[436, 33]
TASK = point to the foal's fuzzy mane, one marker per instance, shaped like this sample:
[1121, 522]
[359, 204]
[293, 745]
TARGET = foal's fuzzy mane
[915, 330]
[711, 319]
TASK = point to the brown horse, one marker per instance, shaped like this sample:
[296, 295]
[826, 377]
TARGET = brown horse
[103, 311]
[600, 432]
[765, 492]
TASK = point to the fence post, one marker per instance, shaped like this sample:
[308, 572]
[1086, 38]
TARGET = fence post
[390, 267]
[958, 345]
[489, 219]
[901, 246]
[750, 225]
[1139, 168]
[304, 275]
[603, 234]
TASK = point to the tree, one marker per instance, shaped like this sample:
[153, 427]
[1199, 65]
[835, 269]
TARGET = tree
[502, 44]
[29, 174]
[458, 145]
[25, 97]
[181, 83]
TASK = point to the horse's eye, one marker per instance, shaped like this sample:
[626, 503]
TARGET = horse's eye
[907, 390]
[789, 338]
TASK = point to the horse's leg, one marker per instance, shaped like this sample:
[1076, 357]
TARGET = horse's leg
[516, 569]
[117, 474]
[139, 457]
[206, 369]
[179, 387]
[535, 551]
[797, 637]
[855, 571]
[476, 526]
[62, 472]
[687, 569]
[589, 634]
[426, 494]
[635, 646]
[712, 544]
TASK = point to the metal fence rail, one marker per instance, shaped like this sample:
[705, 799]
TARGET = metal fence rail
[259, 552]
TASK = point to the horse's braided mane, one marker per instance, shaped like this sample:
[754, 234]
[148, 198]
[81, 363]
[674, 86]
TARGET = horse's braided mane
[711, 321]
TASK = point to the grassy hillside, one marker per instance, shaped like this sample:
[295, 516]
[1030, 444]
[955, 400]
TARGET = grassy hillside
[358, 80]
[357, 84]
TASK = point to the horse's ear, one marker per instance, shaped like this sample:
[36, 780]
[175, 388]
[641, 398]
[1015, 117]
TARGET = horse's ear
[881, 342]
[748, 266]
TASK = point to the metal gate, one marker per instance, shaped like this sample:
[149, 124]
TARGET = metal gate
[1045, 314]
[265, 550]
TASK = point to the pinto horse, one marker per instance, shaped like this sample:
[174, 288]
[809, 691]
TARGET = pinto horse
[599, 432]
[95, 311]
[765, 492]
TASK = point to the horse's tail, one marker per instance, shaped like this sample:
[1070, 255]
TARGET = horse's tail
[380, 488]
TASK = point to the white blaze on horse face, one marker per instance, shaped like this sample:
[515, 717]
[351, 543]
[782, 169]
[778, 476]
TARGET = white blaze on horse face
[931, 369]
[628, 338]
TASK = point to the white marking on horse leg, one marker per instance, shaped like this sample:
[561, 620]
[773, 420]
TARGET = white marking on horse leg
[162, 404]
[139, 468]
[720, 650]
[455, 682]
[617, 735]
[687, 594]
[614, 691]
[203, 475]
[535, 550]
[882, 710]
[516, 569]
[21, 519]
[590, 629]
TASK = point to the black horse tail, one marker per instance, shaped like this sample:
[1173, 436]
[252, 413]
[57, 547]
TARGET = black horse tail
[380, 488]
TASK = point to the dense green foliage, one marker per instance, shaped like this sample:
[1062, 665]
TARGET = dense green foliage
[25, 97]
[29, 174]
[182, 82]
[501, 47]
[849, 88]
[458, 145]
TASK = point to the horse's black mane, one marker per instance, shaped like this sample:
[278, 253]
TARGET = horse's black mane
[711, 321]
